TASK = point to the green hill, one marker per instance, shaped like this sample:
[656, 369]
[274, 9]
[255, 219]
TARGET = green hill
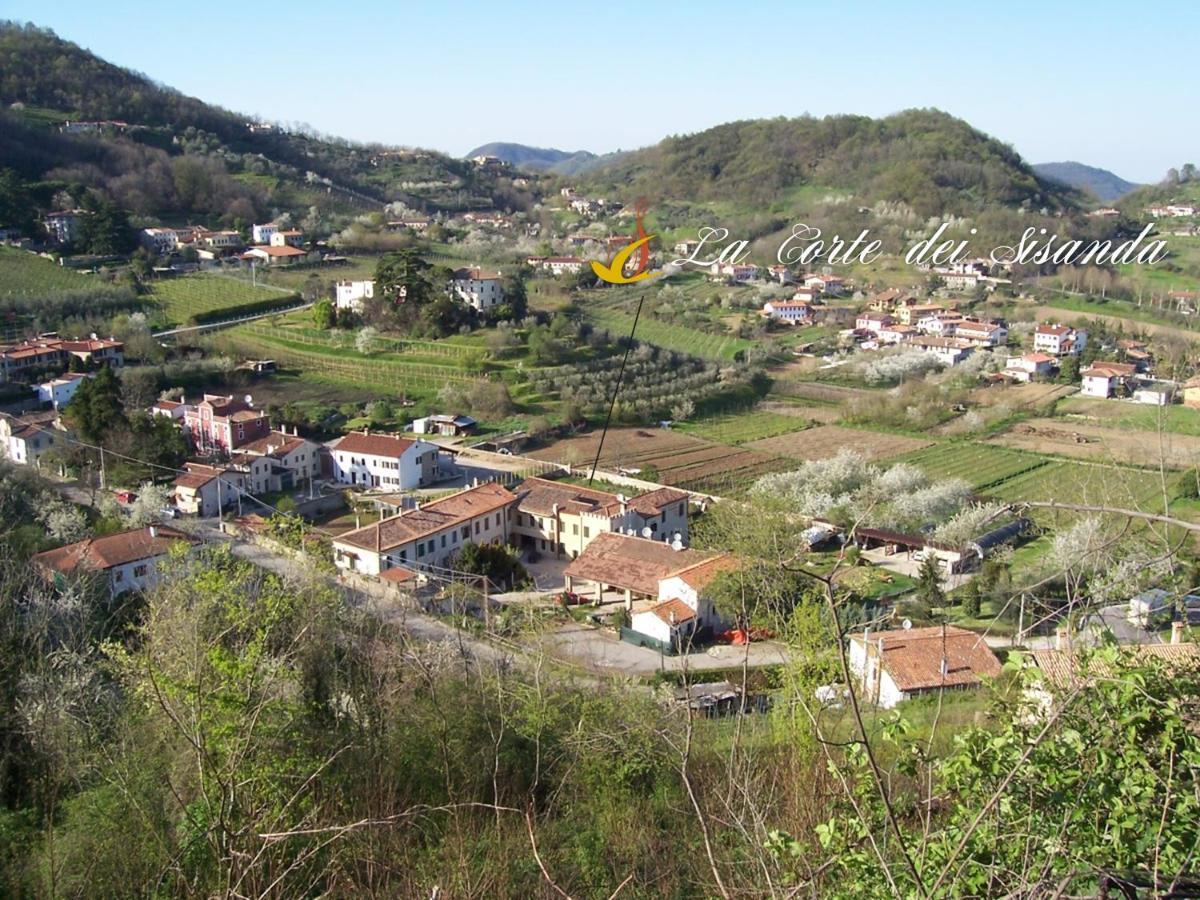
[926, 159]
[174, 156]
[1105, 185]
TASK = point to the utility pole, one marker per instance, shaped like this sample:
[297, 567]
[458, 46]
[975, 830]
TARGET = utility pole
[1021, 621]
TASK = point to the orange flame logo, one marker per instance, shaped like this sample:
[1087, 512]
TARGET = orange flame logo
[614, 272]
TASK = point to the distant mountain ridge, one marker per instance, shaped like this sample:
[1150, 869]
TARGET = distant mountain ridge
[544, 159]
[1103, 184]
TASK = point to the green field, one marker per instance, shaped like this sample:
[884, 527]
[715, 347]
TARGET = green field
[740, 427]
[1132, 416]
[179, 299]
[982, 465]
[671, 337]
[1088, 485]
[24, 274]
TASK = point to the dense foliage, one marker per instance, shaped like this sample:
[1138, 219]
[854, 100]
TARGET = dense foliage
[932, 162]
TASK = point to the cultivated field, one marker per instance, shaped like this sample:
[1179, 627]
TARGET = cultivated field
[1131, 416]
[825, 441]
[672, 337]
[179, 299]
[983, 465]
[822, 414]
[679, 459]
[24, 274]
[1021, 396]
[1097, 443]
[745, 426]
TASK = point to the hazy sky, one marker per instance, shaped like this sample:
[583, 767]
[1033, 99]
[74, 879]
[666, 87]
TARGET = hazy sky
[1101, 82]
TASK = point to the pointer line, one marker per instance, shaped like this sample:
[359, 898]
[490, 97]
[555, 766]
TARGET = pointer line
[616, 390]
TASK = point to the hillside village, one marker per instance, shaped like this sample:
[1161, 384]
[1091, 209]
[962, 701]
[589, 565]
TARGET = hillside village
[357, 433]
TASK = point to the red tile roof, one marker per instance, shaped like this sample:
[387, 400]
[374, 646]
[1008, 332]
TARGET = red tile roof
[913, 657]
[113, 550]
[632, 563]
[673, 611]
[449, 512]
[373, 444]
[1066, 668]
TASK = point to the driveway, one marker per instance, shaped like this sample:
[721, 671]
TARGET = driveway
[599, 649]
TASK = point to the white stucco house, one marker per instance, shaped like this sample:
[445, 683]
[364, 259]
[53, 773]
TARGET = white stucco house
[128, 560]
[383, 461]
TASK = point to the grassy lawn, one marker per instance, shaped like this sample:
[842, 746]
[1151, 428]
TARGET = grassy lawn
[24, 274]
[671, 337]
[740, 427]
[1133, 416]
[181, 298]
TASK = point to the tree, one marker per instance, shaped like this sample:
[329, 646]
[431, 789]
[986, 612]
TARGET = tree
[96, 407]
[63, 521]
[139, 387]
[929, 582]
[323, 314]
[104, 228]
[970, 600]
[403, 277]
[1068, 371]
[364, 341]
[151, 500]
[683, 410]
[498, 563]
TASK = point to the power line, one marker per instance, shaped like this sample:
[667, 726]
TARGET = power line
[616, 390]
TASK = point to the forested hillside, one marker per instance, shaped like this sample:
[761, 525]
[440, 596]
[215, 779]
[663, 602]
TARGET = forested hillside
[173, 155]
[926, 159]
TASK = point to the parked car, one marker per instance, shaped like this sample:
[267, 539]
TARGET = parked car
[169, 512]
[125, 496]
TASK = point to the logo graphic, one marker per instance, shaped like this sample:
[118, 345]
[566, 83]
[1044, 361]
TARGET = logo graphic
[614, 272]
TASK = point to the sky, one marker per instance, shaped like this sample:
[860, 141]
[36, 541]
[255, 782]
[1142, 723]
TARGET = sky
[1058, 79]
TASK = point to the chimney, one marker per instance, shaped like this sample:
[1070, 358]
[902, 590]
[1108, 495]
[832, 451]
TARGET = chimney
[1062, 639]
[672, 617]
[624, 501]
[1177, 632]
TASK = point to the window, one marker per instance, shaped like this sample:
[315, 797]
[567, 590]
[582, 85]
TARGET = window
[466, 531]
[403, 556]
[587, 532]
[477, 526]
[420, 550]
[681, 508]
[443, 541]
[119, 576]
[574, 529]
[497, 518]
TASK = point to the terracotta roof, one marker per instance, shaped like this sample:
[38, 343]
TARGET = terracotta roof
[562, 259]
[112, 550]
[631, 563]
[169, 405]
[948, 343]
[247, 415]
[654, 502]
[397, 575]
[1110, 369]
[1053, 329]
[475, 274]
[913, 657]
[275, 444]
[673, 607]
[193, 480]
[449, 512]
[1065, 668]
[373, 444]
[540, 495]
[699, 576]
[1038, 358]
